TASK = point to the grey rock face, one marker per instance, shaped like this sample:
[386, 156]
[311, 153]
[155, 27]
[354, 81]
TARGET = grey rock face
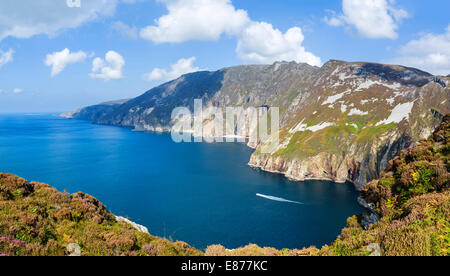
[369, 219]
[368, 206]
[375, 249]
[370, 216]
[74, 250]
[136, 226]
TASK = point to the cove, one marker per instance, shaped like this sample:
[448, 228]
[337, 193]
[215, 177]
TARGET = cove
[199, 193]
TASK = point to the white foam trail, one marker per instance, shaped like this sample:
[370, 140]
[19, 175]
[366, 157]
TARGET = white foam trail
[278, 199]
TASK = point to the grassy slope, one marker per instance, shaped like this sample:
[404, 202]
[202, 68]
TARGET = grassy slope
[412, 197]
[35, 219]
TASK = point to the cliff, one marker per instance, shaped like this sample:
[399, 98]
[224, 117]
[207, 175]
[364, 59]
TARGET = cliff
[341, 122]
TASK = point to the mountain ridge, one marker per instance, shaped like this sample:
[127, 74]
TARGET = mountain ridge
[340, 122]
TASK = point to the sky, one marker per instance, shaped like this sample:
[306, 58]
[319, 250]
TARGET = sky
[60, 55]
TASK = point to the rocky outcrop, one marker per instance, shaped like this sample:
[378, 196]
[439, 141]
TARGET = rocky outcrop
[341, 122]
[136, 226]
[320, 167]
[74, 250]
[374, 249]
[370, 216]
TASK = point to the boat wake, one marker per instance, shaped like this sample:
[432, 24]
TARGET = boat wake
[279, 199]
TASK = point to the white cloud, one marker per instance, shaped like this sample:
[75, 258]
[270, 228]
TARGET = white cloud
[209, 19]
[108, 69]
[371, 18]
[26, 18]
[14, 91]
[261, 43]
[196, 20]
[59, 60]
[125, 30]
[431, 52]
[6, 57]
[334, 21]
[183, 66]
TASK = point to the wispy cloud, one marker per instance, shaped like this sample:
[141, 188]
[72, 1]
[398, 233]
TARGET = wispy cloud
[183, 66]
[431, 52]
[6, 57]
[125, 30]
[27, 18]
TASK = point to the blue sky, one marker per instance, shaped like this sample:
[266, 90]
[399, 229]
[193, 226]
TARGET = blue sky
[121, 48]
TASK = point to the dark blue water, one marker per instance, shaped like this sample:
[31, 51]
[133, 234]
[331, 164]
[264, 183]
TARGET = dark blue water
[199, 193]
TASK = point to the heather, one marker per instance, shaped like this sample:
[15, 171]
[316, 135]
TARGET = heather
[37, 220]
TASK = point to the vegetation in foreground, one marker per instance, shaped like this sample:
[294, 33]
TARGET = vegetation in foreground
[37, 220]
[412, 201]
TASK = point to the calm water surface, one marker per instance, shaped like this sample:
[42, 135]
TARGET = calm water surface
[199, 193]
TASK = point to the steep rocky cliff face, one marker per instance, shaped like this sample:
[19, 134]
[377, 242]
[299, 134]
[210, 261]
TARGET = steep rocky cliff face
[341, 122]
[355, 118]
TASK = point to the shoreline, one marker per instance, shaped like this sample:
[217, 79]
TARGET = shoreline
[304, 178]
[284, 174]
